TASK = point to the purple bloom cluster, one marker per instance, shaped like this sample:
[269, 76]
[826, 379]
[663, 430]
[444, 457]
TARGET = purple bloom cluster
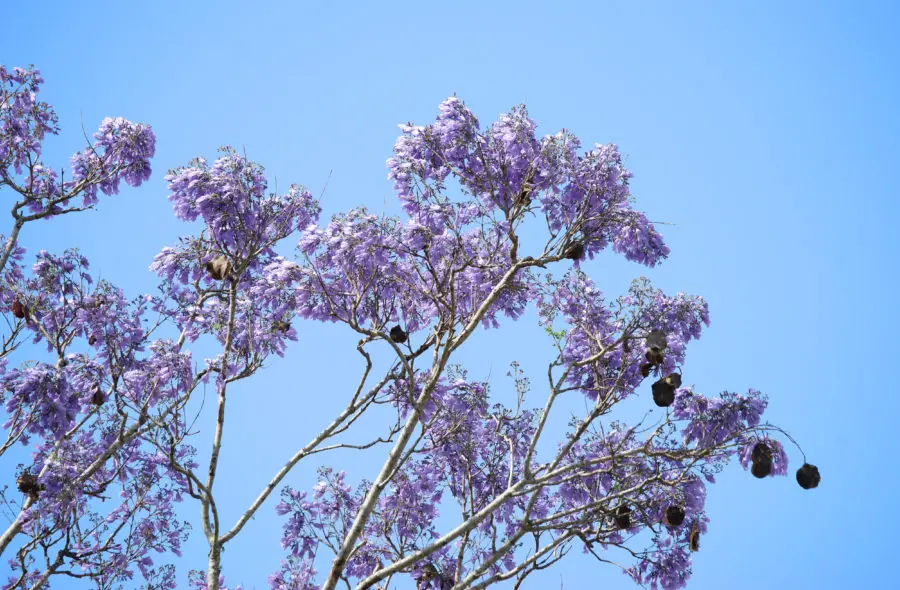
[24, 120]
[122, 150]
[507, 168]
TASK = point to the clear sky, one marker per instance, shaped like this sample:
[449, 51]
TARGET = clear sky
[765, 132]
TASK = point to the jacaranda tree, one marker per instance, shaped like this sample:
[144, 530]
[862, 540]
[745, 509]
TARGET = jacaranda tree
[495, 220]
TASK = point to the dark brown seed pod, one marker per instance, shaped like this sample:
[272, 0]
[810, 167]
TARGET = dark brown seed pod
[645, 369]
[18, 309]
[398, 335]
[694, 539]
[27, 484]
[280, 326]
[761, 451]
[429, 572]
[92, 340]
[674, 515]
[656, 341]
[808, 476]
[654, 358]
[97, 397]
[524, 196]
[623, 516]
[218, 268]
[761, 468]
[575, 252]
[674, 379]
[663, 393]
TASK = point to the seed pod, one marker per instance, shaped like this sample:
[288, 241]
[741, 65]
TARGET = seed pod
[656, 341]
[575, 252]
[281, 326]
[218, 268]
[18, 309]
[92, 340]
[761, 468]
[808, 476]
[27, 484]
[674, 379]
[398, 335]
[429, 572]
[761, 452]
[645, 369]
[623, 516]
[694, 539]
[674, 515]
[654, 358]
[663, 393]
[524, 196]
[97, 397]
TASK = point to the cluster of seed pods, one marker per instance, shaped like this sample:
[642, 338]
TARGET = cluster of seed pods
[664, 395]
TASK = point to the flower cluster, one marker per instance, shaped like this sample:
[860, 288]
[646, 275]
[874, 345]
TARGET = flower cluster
[585, 199]
[24, 120]
[121, 150]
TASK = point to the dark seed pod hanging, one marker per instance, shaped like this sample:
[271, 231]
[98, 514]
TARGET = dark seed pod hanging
[524, 197]
[663, 393]
[92, 340]
[674, 379]
[694, 539]
[280, 326]
[97, 397]
[18, 309]
[218, 268]
[808, 476]
[623, 516]
[398, 335]
[645, 369]
[761, 452]
[575, 252]
[674, 515]
[27, 484]
[656, 341]
[654, 358]
[761, 468]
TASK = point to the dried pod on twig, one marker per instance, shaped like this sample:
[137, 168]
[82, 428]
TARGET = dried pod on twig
[808, 476]
[762, 460]
[654, 358]
[398, 335]
[575, 252]
[674, 515]
[97, 397]
[18, 309]
[218, 268]
[623, 516]
[694, 539]
[656, 341]
[28, 484]
[664, 390]
[761, 452]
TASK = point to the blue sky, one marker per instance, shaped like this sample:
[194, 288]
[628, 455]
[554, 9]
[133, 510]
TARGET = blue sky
[766, 134]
